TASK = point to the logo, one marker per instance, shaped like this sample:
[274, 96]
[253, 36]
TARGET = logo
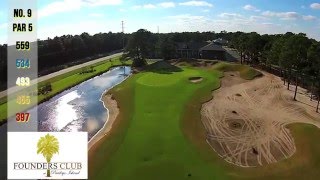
[53, 155]
[48, 146]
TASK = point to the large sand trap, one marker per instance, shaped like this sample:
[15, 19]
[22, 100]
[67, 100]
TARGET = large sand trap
[245, 121]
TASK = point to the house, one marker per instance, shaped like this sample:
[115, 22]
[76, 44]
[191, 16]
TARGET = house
[203, 50]
[212, 51]
[189, 49]
[221, 42]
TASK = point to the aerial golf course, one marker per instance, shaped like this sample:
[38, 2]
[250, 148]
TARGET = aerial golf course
[158, 133]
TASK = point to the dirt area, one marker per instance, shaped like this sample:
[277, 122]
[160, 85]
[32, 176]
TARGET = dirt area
[113, 112]
[246, 120]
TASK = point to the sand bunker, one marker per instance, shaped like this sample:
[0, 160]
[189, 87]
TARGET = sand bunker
[245, 121]
[195, 79]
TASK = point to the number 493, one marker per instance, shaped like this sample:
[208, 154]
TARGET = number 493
[22, 117]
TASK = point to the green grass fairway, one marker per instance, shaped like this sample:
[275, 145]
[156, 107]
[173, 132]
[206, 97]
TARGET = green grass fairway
[158, 134]
[154, 147]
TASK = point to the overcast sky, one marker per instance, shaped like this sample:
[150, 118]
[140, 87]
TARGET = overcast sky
[63, 17]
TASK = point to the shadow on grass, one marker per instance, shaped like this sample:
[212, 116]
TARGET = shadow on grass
[194, 62]
[162, 67]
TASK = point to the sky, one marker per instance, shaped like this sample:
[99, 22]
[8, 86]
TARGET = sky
[62, 17]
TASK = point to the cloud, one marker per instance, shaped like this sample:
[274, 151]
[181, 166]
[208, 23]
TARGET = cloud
[96, 15]
[187, 18]
[59, 7]
[149, 6]
[72, 5]
[258, 18]
[315, 6]
[268, 24]
[145, 6]
[282, 15]
[206, 10]
[196, 3]
[167, 4]
[136, 7]
[4, 26]
[102, 2]
[249, 7]
[230, 15]
[186, 22]
[309, 18]
[152, 6]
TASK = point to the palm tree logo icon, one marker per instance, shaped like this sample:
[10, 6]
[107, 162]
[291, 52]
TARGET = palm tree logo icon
[48, 146]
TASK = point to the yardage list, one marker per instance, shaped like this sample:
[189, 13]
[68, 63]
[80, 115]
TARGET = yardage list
[22, 66]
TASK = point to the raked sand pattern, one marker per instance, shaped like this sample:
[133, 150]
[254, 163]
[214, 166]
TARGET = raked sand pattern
[246, 120]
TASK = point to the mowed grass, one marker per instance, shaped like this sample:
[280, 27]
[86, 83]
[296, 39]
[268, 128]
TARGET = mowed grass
[59, 84]
[159, 134]
[153, 145]
[245, 71]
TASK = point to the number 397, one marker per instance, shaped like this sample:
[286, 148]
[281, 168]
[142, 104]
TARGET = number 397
[22, 117]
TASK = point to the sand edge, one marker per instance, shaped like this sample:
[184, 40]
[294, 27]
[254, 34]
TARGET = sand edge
[113, 111]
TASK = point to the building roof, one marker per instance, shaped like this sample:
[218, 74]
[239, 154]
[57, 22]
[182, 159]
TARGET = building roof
[212, 47]
[190, 45]
[220, 41]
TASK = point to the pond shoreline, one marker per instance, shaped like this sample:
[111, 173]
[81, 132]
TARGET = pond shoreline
[111, 106]
[4, 121]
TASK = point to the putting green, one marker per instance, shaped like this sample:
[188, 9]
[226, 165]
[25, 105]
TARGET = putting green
[157, 79]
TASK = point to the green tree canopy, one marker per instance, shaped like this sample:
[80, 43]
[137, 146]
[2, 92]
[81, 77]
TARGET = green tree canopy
[167, 48]
[139, 47]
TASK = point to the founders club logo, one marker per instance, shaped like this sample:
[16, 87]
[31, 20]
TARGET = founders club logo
[54, 155]
[48, 146]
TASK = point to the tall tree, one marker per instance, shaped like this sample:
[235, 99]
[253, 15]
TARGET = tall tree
[314, 61]
[254, 46]
[167, 48]
[299, 45]
[139, 47]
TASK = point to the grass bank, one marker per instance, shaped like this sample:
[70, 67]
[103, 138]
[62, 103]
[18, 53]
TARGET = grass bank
[59, 84]
[246, 72]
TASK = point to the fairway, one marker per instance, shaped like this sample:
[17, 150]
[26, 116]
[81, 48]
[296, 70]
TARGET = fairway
[154, 143]
[158, 133]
